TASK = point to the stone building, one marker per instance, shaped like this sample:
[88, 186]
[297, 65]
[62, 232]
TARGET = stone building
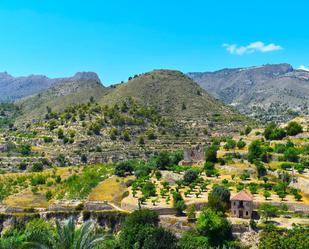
[242, 205]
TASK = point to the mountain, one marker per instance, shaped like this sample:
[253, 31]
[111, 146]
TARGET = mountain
[65, 92]
[269, 92]
[171, 93]
[15, 88]
[174, 95]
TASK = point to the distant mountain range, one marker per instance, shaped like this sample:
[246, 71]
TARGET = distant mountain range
[15, 88]
[270, 92]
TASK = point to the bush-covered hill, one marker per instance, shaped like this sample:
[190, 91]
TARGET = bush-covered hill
[174, 95]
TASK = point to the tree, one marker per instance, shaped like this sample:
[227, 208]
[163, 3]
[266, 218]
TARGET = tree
[163, 160]
[260, 168]
[241, 144]
[126, 135]
[219, 198]
[37, 167]
[248, 130]
[297, 237]
[230, 144]
[214, 226]
[25, 149]
[291, 155]
[211, 153]
[66, 236]
[123, 168]
[294, 128]
[282, 195]
[272, 132]
[255, 151]
[40, 232]
[140, 231]
[267, 211]
[191, 212]
[191, 240]
[190, 176]
[83, 158]
[245, 175]
[178, 203]
[60, 133]
[209, 168]
[48, 195]
[266, 195]
[148, 189]
[298, 196]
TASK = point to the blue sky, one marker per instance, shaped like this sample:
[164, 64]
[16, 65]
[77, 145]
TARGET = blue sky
[121, 38]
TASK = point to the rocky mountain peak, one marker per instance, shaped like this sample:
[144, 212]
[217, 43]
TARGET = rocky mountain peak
[86, 76]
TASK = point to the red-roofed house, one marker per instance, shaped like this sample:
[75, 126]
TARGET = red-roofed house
[242, 205]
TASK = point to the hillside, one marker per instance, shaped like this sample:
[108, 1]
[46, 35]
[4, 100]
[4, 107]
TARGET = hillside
[269, 92]
[152, 112]
[78, 89]
[174, 95]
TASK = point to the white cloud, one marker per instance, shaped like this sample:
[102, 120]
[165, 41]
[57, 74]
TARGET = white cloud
[257, 46]
[302, 67]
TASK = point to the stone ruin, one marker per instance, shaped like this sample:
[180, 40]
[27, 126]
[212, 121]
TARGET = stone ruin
[194, 155]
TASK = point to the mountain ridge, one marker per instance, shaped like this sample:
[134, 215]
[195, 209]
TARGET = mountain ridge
[268, 92]
[15, 88]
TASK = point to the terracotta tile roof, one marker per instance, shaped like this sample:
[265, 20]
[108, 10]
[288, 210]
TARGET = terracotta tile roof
[242, 196]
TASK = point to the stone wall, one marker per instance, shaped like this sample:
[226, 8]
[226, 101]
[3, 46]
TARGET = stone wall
[111, 220]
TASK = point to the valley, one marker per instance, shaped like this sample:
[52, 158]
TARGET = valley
[158, 144]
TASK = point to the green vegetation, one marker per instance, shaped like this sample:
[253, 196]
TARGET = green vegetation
[219, 198]
[297, 237]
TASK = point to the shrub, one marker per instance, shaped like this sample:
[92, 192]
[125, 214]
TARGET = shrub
[48, 139]
[48, 195]
[241, 144]
[151, 134]
[37, 167]
[158, 175]
[25, 149]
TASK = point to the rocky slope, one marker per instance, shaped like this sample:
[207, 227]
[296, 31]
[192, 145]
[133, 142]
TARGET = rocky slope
[269, 92]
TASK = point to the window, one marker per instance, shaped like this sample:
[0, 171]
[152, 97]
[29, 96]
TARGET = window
[247, 213]
[234, 203]
[234, 212]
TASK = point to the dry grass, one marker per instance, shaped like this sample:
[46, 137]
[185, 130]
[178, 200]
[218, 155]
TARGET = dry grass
[26, 199]
[111, 189]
